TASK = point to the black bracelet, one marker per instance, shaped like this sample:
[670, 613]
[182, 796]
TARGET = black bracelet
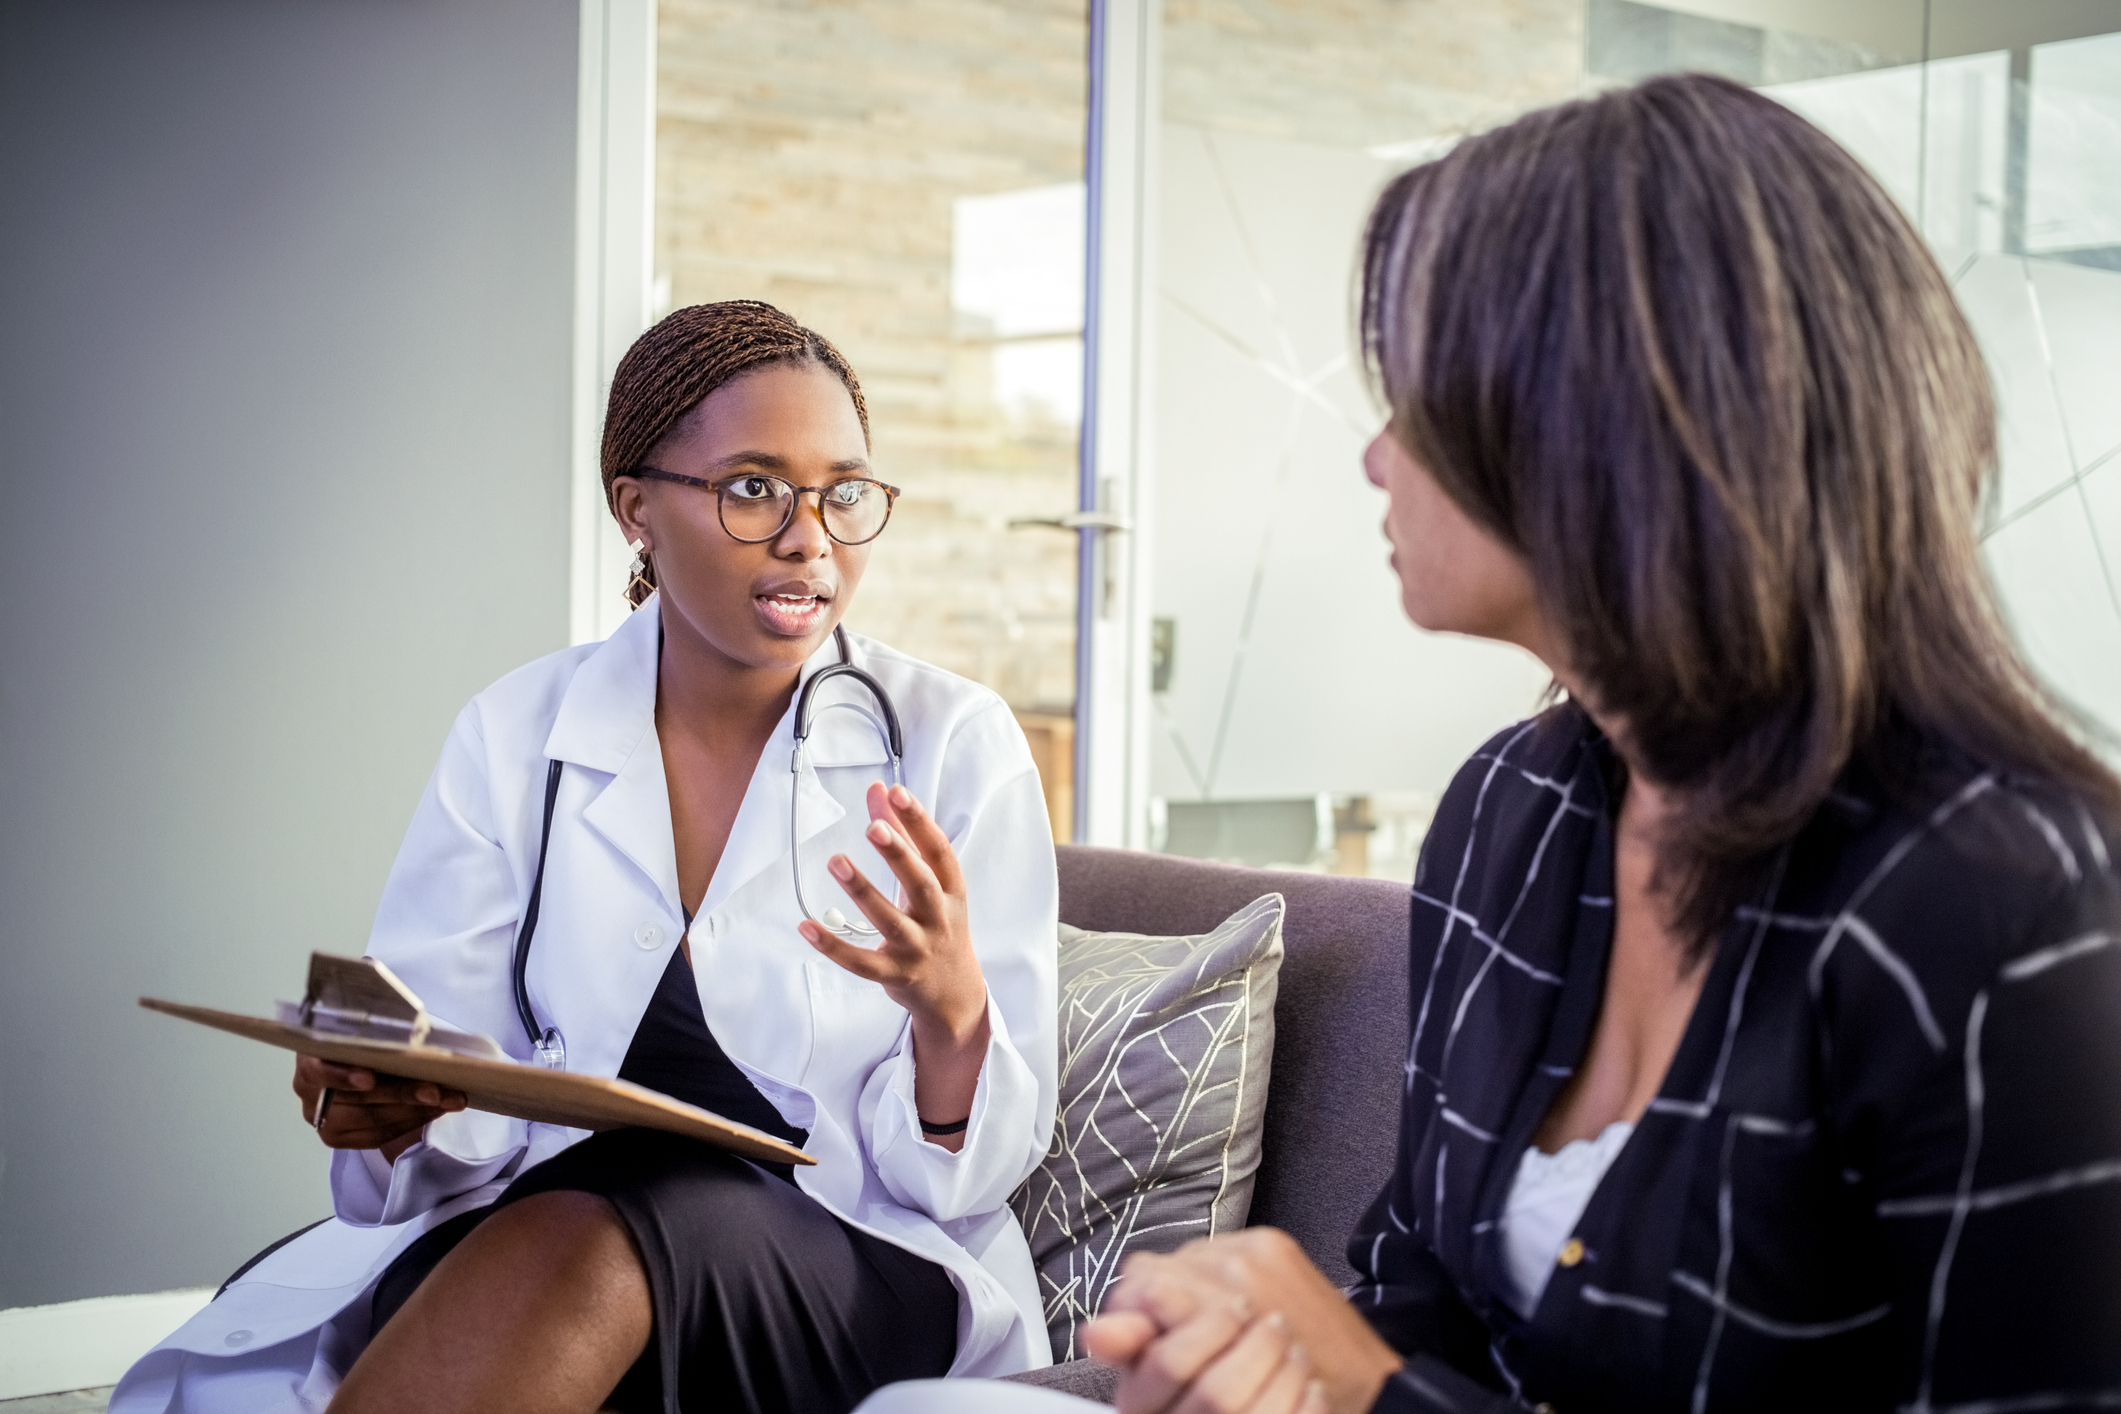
[958, 1128]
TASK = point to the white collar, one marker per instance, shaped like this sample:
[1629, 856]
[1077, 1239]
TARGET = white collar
[606, 722]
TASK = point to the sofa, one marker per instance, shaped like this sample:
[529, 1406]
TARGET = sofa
[1340, 1027]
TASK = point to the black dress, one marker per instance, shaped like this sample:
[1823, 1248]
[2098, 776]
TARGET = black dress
[764, 1301]
[1884, 1170]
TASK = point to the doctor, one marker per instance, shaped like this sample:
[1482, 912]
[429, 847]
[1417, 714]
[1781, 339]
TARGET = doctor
[481, 1263]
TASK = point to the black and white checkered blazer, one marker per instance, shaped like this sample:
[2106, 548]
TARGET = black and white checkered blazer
[1884, 1171]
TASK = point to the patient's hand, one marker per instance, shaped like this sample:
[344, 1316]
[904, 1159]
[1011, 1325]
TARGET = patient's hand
[1242, 1322]
[1223, 1360]
[369, 1111]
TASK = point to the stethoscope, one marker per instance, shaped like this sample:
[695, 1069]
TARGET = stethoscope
[547, 1047]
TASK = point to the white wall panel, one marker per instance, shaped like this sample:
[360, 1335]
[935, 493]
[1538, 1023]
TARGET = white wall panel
[285, 327]
[1295, 671]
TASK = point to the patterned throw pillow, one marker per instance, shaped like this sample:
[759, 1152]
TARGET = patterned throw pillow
[1165, 1045]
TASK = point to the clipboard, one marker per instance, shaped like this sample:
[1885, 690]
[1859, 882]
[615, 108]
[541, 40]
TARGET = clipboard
[355, 1012]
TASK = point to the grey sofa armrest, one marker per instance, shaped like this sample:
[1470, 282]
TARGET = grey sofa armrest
[1085, 1379]
[1340, 1020]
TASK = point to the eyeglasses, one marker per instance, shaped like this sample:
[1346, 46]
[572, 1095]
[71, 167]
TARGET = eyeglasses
[755, 507]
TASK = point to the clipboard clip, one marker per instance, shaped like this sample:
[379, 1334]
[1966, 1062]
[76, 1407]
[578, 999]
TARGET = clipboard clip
[361, 998]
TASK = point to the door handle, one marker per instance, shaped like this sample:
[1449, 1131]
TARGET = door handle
[1075, 520]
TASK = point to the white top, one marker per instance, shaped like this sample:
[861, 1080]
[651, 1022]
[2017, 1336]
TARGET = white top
[830, 1051]
[1546, 1199]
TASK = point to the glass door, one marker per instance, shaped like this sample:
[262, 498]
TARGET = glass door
[907, 178]
[1296, 719]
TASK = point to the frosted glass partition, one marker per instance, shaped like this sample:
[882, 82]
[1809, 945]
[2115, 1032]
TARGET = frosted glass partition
[1285, 674]
[2008, 161]
[1299, 719]
[1996, 127]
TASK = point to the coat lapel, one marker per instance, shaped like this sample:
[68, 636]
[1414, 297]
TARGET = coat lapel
[606, 723]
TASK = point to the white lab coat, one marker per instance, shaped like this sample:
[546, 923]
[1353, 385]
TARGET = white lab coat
[830, 1050]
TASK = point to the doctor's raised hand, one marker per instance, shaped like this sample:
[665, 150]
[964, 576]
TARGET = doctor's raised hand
[925, 961]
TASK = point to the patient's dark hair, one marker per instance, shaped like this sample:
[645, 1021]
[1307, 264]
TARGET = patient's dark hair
[687, 355]
[1678, 349]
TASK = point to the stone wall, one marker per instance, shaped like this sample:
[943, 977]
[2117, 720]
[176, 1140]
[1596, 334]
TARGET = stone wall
[1366, 73]
[808, 153]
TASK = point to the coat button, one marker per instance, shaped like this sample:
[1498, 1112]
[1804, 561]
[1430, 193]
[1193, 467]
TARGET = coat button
[648, 937]
[236, 1338]
[1571, 1252]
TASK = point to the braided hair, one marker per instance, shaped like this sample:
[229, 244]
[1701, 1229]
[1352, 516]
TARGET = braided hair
[687, 355]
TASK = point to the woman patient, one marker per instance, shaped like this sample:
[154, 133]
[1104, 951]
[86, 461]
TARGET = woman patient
[1766, 990]
[481, 1263]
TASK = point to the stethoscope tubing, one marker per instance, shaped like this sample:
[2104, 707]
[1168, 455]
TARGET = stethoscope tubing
[541, 1041]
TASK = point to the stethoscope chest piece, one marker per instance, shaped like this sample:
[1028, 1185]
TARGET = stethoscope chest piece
[832, 920]
[547, 1047]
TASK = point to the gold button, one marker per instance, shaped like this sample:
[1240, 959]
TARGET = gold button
[1571, 1252]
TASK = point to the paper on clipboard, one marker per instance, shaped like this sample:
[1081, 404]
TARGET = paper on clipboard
[354, 1012]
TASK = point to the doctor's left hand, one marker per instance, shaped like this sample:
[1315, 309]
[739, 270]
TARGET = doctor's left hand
[364, 1110]
[925, 960]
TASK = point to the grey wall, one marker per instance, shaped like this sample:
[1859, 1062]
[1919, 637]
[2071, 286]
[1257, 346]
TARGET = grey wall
[285, 309]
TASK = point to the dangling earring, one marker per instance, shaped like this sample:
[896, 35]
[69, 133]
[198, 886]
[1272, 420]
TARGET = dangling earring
[638, 585]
